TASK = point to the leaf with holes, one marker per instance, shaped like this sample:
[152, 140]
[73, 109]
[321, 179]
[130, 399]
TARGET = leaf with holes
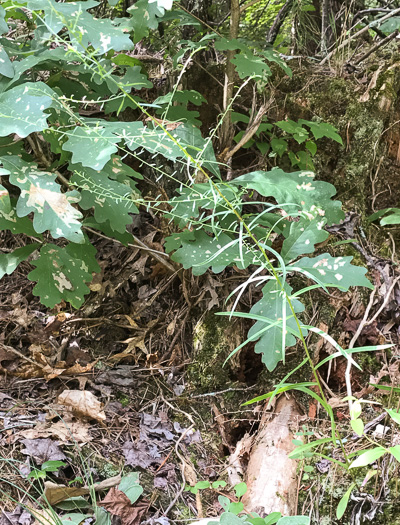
[272, 306]
[185, 138]
[9, 261]
[93, 144]
[299, 189]
[112, 200]
[22, 109]
[56, 13]
[302, 237]
[144, 16]
[62, 273]
[102, 34]
[205, 252]
[337, 272]
[41, 195]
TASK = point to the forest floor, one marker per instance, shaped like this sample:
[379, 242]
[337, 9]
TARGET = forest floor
[113, 388]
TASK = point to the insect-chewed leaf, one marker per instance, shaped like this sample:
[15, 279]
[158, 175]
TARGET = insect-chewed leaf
[93, 144]
[144, 16]
[62, 273]
[302, 237]
[201, 253]
[335, 272]
[186, 137]
[271, 306]
[22, 109]
[311, 197]
[9, 219]
[112, 200]
[9, 261]
[41, 195]
[55, 13]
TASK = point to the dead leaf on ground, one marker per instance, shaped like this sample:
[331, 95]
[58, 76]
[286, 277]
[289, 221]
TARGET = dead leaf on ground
[118, 504]
[82, 403]
[45, 516]
[18, 516]
[141, 454]
[43, 450]
[66, 431]
[55, 493]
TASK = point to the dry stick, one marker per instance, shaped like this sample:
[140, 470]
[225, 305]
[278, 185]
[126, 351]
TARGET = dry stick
[19, 354]
[377, 46]
[226, 128]
[364, 322]
[361, 32]
[250, 131]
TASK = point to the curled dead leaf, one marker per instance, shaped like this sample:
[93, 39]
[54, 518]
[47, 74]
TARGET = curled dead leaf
[82, 403]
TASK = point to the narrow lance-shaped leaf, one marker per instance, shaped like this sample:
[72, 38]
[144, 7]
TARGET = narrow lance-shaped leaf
[41, 195]
[368, 457]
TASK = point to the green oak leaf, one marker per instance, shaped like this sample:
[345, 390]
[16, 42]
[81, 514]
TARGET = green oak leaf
[296, 192]
[93, 144]
[144, 16]
[9, 261]
[3, 23]
[56, 14]
[9, 219]
[6, 66]
[41, 195]
[322, 129]
[271, 306]
[186, 137]
[62, 273]
[302, 236]
[332, 271]
[102, 34]
[163, 4]
[92, 147]
[22, 109]
[112, 200]
[248, 65]
[201, 254]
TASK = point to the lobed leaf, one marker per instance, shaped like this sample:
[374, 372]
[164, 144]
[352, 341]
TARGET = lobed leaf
[41, 195]
[62, 273]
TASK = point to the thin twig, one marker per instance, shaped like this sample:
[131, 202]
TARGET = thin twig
[359, 33]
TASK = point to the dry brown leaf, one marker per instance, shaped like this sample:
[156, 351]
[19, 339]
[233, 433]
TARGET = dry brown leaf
[54, 493]
[66, 430]
[45, 516]
[118, 504]
[83, 404]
